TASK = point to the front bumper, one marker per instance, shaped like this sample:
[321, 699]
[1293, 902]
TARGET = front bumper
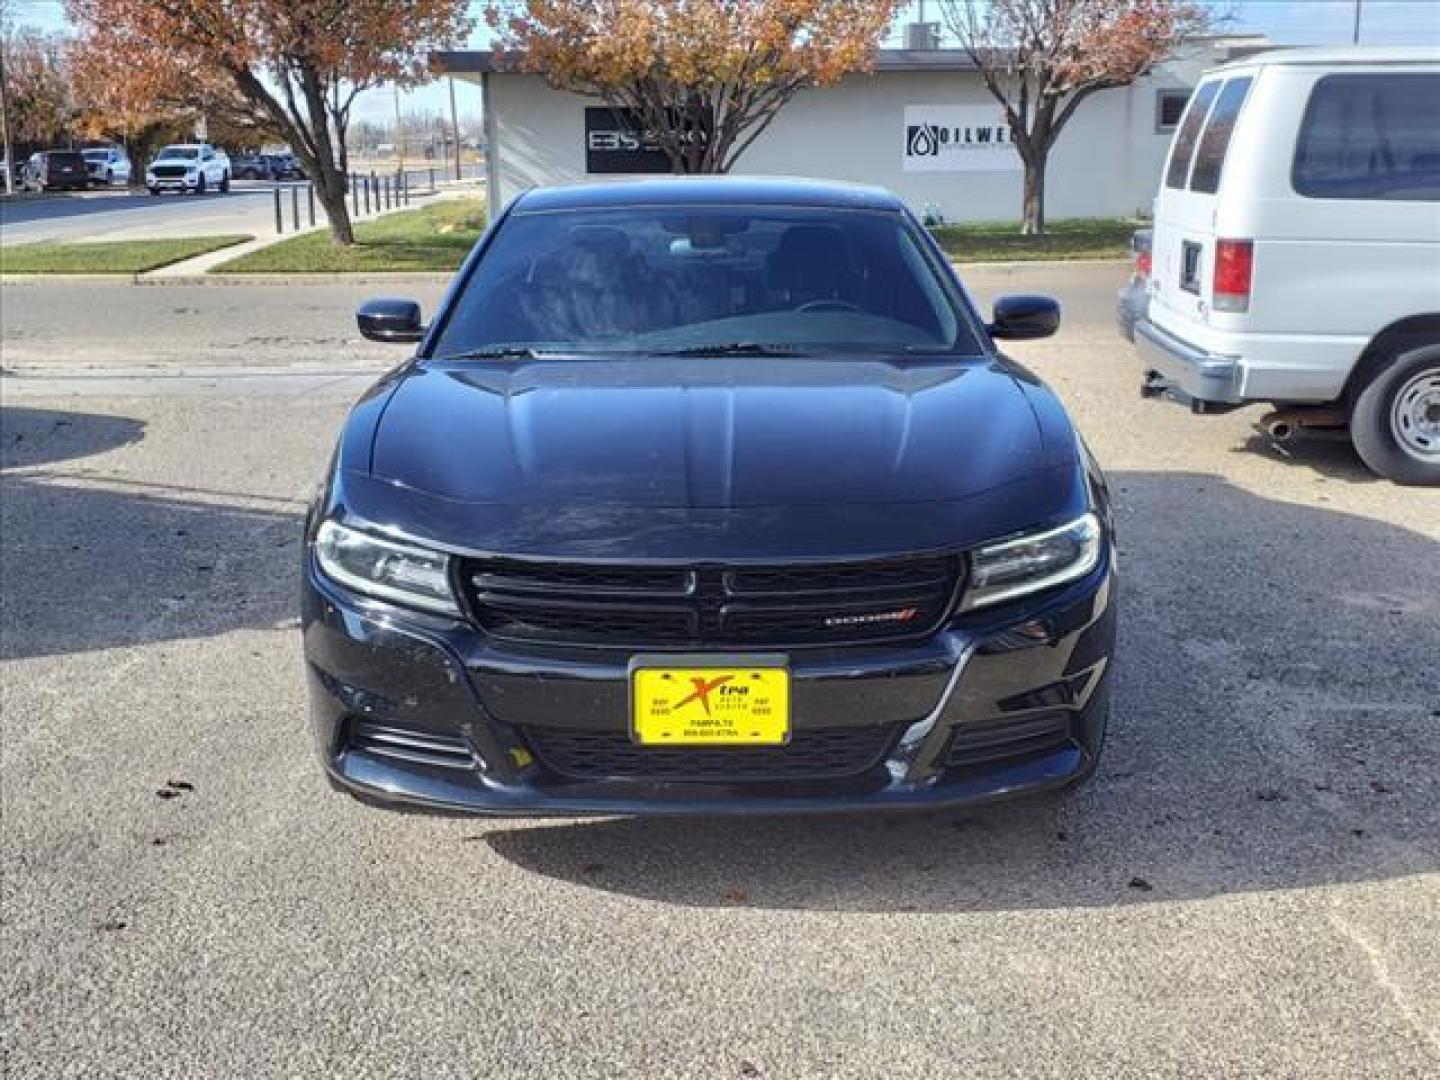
[1196, 374]
[1132, 302]
[458, 717]
[172, 183]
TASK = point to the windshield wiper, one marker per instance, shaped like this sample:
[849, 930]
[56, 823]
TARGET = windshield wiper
[493, 352]
[733, 348]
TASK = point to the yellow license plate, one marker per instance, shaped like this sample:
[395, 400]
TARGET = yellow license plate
[710, 706]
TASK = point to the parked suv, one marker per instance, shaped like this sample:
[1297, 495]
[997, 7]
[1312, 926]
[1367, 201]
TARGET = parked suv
[197, 167]
[1296, 250]
[54, 170]
[252, 167]
[107, 165]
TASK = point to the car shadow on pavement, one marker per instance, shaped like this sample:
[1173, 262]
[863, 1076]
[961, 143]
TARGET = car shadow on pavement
[96, 561]
[1276, 726]
[1332, 455]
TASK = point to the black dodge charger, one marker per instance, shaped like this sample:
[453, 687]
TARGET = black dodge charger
[708, 496]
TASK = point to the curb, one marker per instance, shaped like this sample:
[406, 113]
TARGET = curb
[1016, 264]
[410, 277]
[425, 277]
[74, 279]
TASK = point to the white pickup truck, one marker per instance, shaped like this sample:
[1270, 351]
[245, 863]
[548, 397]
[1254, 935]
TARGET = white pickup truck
[197, 167]
[1295, 255]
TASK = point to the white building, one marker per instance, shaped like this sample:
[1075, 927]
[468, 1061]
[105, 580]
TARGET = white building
[921, 124]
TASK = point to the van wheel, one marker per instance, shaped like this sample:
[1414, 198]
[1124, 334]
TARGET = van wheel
[1395, 423]
[224, 183]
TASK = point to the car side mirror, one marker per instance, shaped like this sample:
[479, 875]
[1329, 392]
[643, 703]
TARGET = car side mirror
[1024, 318]
[395, 322]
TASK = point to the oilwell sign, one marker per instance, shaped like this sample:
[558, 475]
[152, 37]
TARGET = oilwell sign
[958, 138]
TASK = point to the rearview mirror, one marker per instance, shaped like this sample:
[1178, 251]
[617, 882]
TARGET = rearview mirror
[1024, 318]
[392, 321]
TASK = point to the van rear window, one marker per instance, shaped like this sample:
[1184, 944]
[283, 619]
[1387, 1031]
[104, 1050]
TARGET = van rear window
[1189, 134]
[1210, 158]
[1370, 137]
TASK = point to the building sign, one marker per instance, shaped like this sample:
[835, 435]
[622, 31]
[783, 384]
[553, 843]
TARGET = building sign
[613, 144]
[958, 138]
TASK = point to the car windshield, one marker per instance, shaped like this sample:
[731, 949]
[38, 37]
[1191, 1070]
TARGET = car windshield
[96, 155]
[696, 279]
[184, 153]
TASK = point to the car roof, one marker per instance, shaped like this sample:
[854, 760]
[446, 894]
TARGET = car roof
[708, 190]
[1340, 55]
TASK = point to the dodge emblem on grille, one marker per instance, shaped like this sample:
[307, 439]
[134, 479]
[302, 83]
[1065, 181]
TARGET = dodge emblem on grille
[903, 615]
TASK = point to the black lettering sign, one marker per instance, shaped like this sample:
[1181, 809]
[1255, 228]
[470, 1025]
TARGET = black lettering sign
[614, 144]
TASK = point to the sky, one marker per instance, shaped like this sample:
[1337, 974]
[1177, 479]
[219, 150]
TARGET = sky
[1286, 22]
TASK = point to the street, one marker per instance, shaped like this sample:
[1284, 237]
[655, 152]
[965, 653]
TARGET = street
[249, 208]
[1250, 885]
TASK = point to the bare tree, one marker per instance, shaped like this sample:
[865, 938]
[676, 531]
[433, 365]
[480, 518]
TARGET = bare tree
[1041, 58]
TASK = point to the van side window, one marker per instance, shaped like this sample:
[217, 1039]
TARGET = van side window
[1370, 137]
[1210, 158]
[1189, 134]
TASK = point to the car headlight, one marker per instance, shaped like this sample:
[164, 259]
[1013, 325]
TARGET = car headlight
[1027, 564]
[378, 567]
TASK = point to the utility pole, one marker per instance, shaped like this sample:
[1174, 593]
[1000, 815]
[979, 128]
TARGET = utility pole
[455, 128]
[1356, 37]
[5, 122]
[399, 130]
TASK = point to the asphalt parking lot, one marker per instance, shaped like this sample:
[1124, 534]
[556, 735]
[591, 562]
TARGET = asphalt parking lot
[1250, 885]
[119, 214]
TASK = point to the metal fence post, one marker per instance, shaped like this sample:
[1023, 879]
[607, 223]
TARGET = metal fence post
[385, 187]
[279, 217]
[354, 196]
[295, 206]
[432, 179]
[366, 179]
[310, 201]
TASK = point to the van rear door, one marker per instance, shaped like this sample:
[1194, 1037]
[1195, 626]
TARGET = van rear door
[1184, 254]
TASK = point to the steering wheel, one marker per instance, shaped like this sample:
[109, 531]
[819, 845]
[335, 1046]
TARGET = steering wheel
[828, 304]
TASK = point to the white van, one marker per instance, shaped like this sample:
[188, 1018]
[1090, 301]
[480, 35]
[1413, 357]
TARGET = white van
[1295, 255]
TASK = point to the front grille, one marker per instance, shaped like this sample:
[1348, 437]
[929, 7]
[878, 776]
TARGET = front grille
[818, 754]
[409, 744]
[169, 172]
[686, 607]
[1010, 740]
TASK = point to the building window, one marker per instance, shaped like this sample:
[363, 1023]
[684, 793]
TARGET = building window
[1169, 106]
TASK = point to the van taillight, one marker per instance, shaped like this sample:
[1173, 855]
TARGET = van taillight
[1234, 265]
[1142, 263]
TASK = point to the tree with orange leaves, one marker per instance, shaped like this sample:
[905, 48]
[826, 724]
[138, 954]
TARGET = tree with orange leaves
[288, 68]
[1041, 58]
[703, 78]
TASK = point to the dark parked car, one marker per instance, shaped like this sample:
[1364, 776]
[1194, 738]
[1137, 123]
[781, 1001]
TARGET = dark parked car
[285, 167]
[708, 496]
[252, 167]
[55, 170]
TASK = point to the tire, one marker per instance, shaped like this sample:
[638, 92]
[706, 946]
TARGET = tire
[1395, 422]
[224, 183]
[154, 191]
[109, 178]
[200, 185]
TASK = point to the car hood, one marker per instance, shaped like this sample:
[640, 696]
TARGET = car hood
[708, 434]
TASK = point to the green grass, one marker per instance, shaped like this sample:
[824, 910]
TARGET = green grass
[108, 257]
[436, 237]
[1074, 238]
